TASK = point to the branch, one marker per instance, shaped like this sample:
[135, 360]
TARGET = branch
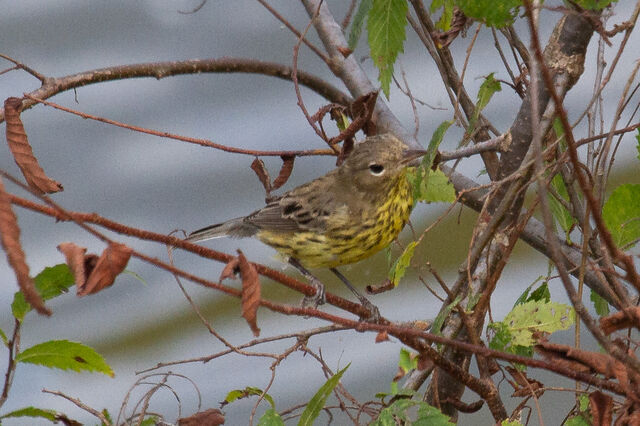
[52, 86]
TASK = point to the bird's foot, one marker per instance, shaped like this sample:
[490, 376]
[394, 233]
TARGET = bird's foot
[373, 311]
[319, 298]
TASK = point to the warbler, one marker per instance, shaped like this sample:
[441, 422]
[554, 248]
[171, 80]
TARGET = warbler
[340, 218]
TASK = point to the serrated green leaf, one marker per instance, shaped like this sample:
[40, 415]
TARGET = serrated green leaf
[65, 355]
[318, 401]
[439, 188]
[501, 338]
[270, 418]
[494, 13]
[407, 361]
[32, 412]
[246, 392]
[358, 20]
[600, 304]
[49, 283]
[400, 266]
[533, 316]
[386, 25]
[525, 296]
[621, 214]
[559, 212]
[429, 415]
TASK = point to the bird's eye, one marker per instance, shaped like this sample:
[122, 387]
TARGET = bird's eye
[376, 169]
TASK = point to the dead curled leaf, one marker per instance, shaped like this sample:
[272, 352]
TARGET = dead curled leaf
[263, 174]
[601, 407]
[230, 269]
[10, 238]
[620, 320]
[250, 292]
[211, 417]
[93, 273]
[22, 151]
[285, 172]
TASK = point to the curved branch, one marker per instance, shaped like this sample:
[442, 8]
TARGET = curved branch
[53, 85]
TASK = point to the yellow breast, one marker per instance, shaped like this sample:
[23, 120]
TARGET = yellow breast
[348, 240]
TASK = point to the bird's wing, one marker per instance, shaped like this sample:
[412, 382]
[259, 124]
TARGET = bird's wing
[298, 210]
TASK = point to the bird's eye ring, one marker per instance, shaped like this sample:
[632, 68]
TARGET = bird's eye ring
[376, 169]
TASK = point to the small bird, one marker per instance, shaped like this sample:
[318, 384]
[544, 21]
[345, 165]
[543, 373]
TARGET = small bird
[337, 219]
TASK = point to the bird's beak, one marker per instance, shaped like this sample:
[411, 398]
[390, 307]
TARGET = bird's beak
[412, 157]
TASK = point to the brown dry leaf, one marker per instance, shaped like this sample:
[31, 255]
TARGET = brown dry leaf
[211, 417]
[75, 259]
[285, 171]
[620, 320]
[458, 24]
[110, 264]
[524, 385]
[263, 174]
[22, 152]
[382, 336]
[362, 109]
[250, 292]
[230, 269]
[386, 285]
[345, 51]
[10, 238]
[601, 407]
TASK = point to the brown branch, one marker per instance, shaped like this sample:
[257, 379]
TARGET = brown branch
[52, 86]
[196, 141]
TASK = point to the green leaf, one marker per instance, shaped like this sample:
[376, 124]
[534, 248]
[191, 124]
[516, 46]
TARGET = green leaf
[621, 214]
[487, 89]
[444, 23]
[584, 402]
[594, 4]
[439, 188]
[399, 268]
[533, 316]
[429, 415]
[541, 294]
[494, 13]
[246, 392]
[386, 28]
[65, 355]
[601, 305]
[149, 421]
[319, 399]
[508, 422]
[4, 338]
[51, 282]
[407, 361]
[270, 418]
[558, 210]
[439, 320]
[434, 143]
[50, 415]
[358, 20]
[578, 420]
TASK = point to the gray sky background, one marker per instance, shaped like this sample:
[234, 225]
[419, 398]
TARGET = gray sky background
[161, 185]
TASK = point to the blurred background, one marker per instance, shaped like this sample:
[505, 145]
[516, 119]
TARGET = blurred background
[162, 185]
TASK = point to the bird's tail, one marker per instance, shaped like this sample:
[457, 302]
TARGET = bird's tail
[235, 228]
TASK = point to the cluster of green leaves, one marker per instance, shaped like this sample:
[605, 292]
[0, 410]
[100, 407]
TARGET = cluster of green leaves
[583, 417]
[404, 408]
[387, 22]
[60, 354]
[271, 417]
[533, 312]
[428, 186]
